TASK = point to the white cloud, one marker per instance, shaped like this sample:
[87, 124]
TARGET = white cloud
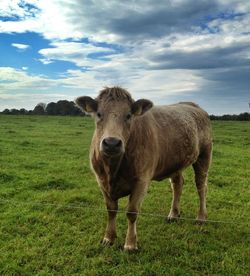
[75, 52]
[235, 27]
[11, 8]
[28, 24]
[14, 79]
[157, 85]
[22, 96]
[20, 81]
[139, 83]
[46, 17]
[45, 61]
[197, 42]
[146, 83]
[20, 46]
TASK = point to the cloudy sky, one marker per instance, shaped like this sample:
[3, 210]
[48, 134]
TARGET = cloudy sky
[164, 50]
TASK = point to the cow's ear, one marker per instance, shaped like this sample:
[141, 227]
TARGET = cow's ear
[87, 104]
[141, 106]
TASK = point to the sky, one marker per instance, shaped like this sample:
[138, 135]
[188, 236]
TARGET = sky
[165, 50]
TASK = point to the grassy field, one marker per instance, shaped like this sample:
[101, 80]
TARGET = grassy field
[52, 214]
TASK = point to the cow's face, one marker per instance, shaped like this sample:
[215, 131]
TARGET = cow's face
[114, 117]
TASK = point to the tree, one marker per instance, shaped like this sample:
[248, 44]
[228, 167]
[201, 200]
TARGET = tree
[51, 109]
[23, 111]
[14, 111]
[244, 117]
[76, 110]
[64, 107]
[39, 109]
[6, 111]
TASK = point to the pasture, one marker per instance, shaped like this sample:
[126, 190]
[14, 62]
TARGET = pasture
[52, 214]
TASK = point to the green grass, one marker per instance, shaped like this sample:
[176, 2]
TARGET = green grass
[52, 214]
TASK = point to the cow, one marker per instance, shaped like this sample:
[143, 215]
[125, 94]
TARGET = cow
[135, 142]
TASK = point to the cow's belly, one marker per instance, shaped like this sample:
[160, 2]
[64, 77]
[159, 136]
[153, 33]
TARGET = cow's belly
[167, 172]
[172, 166]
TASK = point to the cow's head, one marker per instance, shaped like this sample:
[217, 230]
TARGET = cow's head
[114, 111]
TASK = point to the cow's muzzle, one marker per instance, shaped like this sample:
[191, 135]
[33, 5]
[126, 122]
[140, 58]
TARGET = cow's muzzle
[112, 146]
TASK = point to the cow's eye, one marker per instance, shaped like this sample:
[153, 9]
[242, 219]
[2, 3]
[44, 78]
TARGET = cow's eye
[128, 117]
[99, 115]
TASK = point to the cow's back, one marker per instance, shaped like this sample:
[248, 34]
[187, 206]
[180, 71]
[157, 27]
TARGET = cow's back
[181, 118]
[178, 135]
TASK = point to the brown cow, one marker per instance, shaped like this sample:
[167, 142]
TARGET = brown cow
[135, 143]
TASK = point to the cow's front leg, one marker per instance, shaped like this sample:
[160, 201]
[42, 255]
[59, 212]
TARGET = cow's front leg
[134, 203]
[110, 232]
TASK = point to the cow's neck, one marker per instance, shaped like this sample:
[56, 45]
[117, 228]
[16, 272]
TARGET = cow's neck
[117, 185]
[111, 167]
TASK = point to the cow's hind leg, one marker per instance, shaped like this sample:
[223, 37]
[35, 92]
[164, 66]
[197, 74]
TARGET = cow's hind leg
[110, 233]
[177, 182]
[201, 167]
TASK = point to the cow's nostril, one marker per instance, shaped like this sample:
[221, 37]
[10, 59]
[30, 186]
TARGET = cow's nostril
[112, 143]
[119, 144]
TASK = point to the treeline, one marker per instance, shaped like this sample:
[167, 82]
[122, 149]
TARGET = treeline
[62, 107]
[227, 117]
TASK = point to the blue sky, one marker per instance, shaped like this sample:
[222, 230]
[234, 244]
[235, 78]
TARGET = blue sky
[167, 51]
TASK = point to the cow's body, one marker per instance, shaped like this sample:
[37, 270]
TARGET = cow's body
[161, 143]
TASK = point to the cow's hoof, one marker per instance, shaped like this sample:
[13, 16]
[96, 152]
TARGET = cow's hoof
[171, 219]
[107, 242]
[199, 221]
[130, 248]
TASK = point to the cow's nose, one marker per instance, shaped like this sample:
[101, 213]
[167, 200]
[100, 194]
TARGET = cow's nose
[111, 144]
